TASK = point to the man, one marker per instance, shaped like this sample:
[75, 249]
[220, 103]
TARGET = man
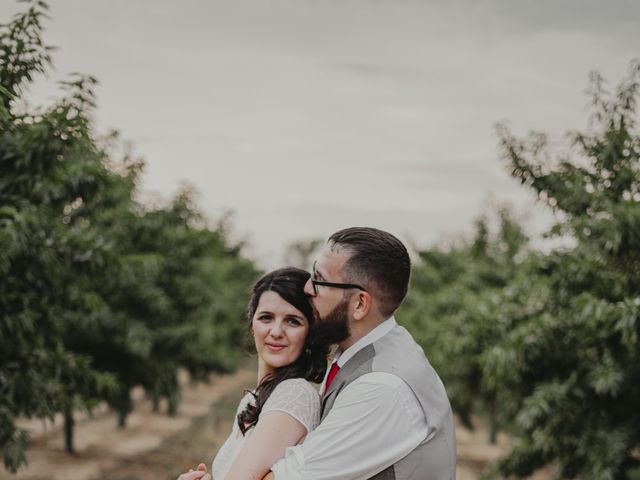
[385, 413]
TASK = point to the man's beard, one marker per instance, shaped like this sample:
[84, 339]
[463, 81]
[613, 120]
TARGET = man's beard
[334, 326]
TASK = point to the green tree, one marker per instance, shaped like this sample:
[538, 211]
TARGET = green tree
[573, 368]
[178, 298]
[458, 307]
[545, 345]
[47, 166]
[99, 293]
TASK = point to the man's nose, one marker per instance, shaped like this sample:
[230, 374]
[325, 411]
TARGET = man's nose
[308, 288]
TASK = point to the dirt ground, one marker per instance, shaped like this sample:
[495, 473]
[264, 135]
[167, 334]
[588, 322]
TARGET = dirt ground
[156, 446]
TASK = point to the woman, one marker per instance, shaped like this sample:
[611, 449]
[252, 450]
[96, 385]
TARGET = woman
[284, 407]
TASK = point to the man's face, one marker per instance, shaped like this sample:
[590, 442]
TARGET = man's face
[331, 305]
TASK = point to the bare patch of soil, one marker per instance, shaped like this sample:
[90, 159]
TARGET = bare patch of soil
[102, 447]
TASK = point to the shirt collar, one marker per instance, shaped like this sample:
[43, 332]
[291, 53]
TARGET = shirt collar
[371, 337]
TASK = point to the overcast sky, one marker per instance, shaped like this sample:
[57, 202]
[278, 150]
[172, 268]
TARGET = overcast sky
[306, 116]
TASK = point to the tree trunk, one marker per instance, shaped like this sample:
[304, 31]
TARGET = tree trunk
[122, 418]
[68, 431]
[492, 430]
[124, 406]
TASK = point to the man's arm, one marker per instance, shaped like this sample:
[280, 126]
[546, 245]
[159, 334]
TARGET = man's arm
[375, 421]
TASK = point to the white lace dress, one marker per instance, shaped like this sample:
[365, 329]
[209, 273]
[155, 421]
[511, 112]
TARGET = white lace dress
[295, 396]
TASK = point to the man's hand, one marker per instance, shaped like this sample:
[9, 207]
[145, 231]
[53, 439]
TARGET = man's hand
[200, 473]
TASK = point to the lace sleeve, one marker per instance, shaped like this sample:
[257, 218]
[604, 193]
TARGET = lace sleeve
[298, 398]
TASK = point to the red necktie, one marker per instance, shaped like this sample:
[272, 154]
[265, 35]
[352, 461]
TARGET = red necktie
[332, 374]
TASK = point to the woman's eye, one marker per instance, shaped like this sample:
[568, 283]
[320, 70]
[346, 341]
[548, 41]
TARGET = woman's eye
[264, 318]
[295, 322]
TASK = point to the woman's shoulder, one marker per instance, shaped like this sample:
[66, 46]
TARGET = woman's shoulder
[297, 386]
[297, 397]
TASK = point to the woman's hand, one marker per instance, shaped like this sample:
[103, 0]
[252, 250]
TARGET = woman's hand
[200, 473]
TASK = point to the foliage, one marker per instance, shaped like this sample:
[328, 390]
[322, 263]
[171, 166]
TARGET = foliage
[99, 293]
[575, 366]
[546, 345]
[460, 303]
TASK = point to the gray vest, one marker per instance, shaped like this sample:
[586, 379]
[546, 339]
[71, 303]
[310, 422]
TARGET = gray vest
[398, 354]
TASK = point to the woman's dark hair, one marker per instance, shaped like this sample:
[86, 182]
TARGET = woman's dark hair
[311, 364]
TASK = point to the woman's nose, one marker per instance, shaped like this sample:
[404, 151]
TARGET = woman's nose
[276, 329]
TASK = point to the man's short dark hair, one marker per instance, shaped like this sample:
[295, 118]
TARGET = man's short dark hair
[378, 261]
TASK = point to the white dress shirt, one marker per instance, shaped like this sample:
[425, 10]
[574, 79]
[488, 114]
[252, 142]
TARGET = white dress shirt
[375, 421]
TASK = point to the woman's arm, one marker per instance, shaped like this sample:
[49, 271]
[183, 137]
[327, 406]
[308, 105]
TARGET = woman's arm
[275, 431]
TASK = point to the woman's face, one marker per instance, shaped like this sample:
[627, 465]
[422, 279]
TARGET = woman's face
[279, 330]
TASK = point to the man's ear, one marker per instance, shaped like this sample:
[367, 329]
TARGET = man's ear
[362, 304]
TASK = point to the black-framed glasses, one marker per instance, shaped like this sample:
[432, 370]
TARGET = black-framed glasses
[344, 286]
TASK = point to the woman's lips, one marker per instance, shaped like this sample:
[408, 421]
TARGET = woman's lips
[275, 347]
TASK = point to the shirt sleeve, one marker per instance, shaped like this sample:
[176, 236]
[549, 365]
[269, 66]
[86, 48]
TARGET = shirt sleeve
[298, 398]
[375, 421]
